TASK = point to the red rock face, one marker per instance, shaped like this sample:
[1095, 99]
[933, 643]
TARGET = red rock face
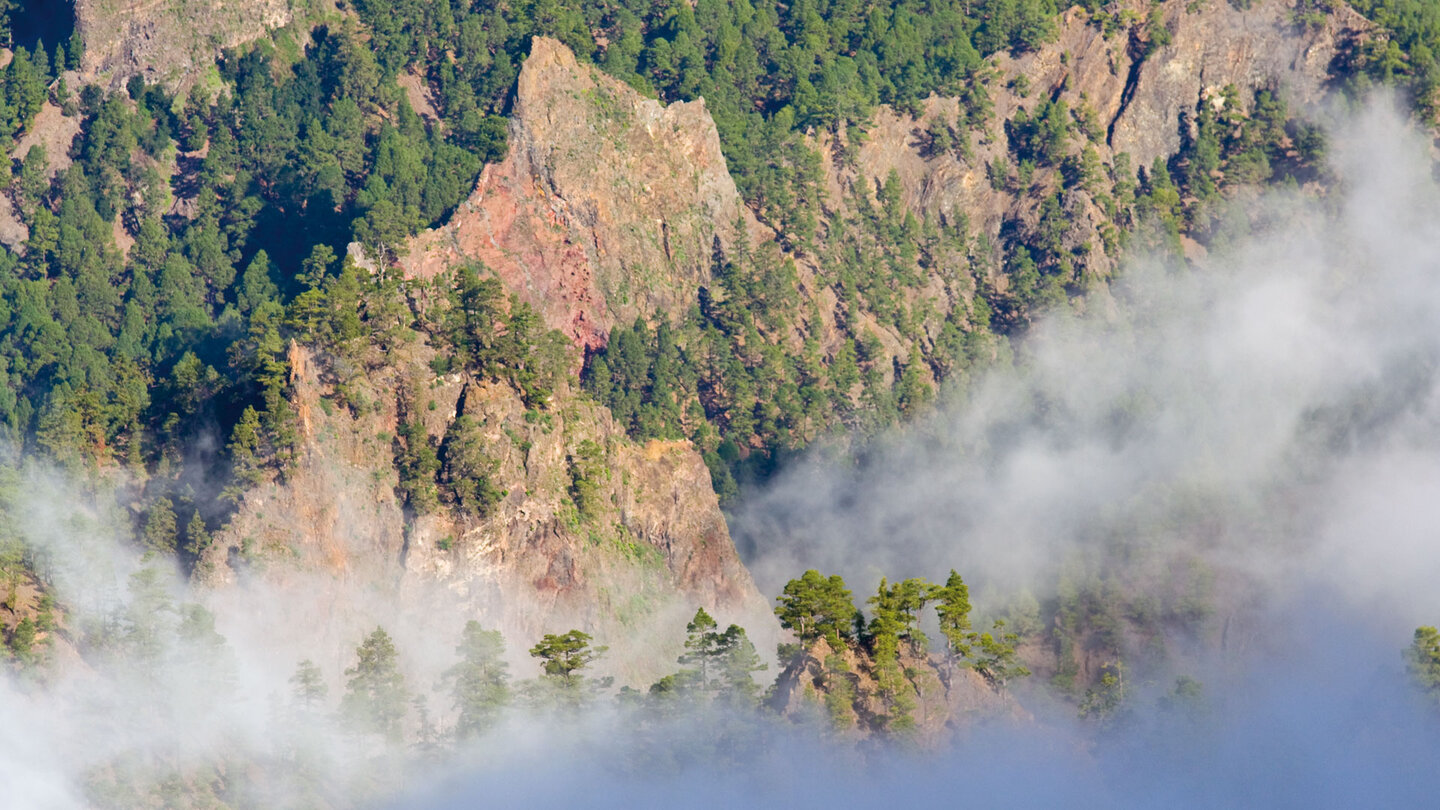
[508, 226]
[606, 207]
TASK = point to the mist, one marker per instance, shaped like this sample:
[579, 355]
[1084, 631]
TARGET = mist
[1319, 729]
[1267, 419]
[1276, 405]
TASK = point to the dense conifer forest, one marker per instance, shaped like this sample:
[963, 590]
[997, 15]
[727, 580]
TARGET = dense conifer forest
[115, 355]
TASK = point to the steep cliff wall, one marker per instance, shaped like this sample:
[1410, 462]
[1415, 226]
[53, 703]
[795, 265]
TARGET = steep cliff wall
[1211, 47]
[649, 547]
[170, 41]
[606, 207]
[1137, 99]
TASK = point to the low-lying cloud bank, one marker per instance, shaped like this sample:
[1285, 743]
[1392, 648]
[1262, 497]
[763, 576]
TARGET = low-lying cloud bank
[1272, 418]
[1324, 725]
[1274, 411]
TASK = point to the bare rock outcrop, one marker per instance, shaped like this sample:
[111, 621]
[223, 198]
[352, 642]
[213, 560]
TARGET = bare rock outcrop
[1136, 99]
[166, 41]
[1221, 45]
[606, 207]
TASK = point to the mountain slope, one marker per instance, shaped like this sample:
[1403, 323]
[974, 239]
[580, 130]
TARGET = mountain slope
[627, 560]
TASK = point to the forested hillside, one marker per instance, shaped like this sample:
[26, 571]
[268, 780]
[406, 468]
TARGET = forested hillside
[247, 304]
[184, 238]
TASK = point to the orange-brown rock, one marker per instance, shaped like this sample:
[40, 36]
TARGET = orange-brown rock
[632, 571]
[605, 208]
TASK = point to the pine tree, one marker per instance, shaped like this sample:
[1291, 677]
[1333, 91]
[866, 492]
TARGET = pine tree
[161, 526]
[563, 659]
[375, 694]
[738, 662]
[307, 686]
[197, 538]
[701, 645]
[480, 682]
[814, 606]
[953, 609]
[148, 618]
[34, 176]
[891, 618]
[719, 665]
[1422, 658]
[22, 641]
[995, 657]
[244, 449]
[417, 463]
[76, 52]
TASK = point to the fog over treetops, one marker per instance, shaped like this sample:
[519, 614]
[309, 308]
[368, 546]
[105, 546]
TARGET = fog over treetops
[1271, 409]
[1256, 434]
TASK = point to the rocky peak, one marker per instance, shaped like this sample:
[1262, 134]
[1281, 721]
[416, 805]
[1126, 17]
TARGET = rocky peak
[606, 207]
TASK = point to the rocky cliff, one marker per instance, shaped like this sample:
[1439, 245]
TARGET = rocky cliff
[648, 547]
[1136, 93]
[606, 207]
[1138, 98]
[1212, 45]
[165, 41]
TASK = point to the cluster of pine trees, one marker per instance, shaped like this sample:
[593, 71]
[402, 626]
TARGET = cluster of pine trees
[151, 633]
[110, 356]
[718, 666]
[818, 608]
